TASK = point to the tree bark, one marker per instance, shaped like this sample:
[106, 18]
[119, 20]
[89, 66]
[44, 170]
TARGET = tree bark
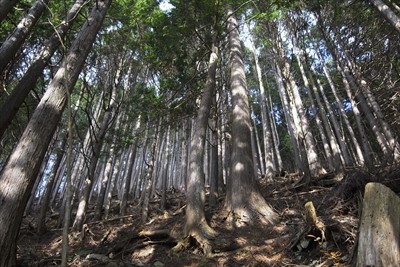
[132, 157]
[20, 172]
[270, 169]
[5, 7]
[244, 203]
[97, 143]
[358, 151]
[289, 119]
[146, 194]
[196, 224]
[41, 220]
[387, 13]
[166, 162]
[15, 40]
[379, 238]
[314, 163]
[28, 81]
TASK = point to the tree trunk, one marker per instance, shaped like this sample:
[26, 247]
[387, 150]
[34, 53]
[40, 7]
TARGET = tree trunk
[15, 40]
[41, 220]
[196, 224]
[289, 120]
[327, 147]
[146, 194]
[20, 172]
[357, 114]
[359, 154]
[378, 241]
[314, 163]
[97, 143]
[28, 81]
[5, 7]
[244, 203]
[131, 162]
[214, 158]
[164, 169]
[388, 13]
[266, 124]
[335, 125]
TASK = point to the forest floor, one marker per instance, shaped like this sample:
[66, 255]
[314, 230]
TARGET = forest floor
[122, 241]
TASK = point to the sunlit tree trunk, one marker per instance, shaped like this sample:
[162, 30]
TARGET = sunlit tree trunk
[196, 224]
[275, 135]
[289, 119]
[387, 13]
[20, 172]
[358, 151]
[257, 148]
[327, 146]
[367, 154]
[15, 40]
[314, 162]
[111, 185]
[244, 203]
[28, 81]
[266, 124]
[344, 155]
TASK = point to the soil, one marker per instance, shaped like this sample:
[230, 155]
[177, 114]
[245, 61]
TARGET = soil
[123, 241]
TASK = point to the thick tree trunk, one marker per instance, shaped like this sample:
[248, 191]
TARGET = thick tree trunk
[196, 224]
[28, 81]
[379, 238]
[5, 7]
[15, 40]
[20, 172]
[244, 203]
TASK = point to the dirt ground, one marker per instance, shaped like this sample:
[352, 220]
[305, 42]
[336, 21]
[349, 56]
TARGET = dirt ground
[121, 241]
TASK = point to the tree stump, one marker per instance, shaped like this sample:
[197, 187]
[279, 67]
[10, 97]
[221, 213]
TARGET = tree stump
[379, 237]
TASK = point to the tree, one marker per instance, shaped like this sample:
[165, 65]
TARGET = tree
[28, 81]
[244, 203]
[196, 225]
[5, 8]
[20, 172]
[18, 36]
[388, 13]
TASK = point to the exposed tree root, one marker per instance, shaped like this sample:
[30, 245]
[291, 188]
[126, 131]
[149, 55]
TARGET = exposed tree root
[199, 235]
